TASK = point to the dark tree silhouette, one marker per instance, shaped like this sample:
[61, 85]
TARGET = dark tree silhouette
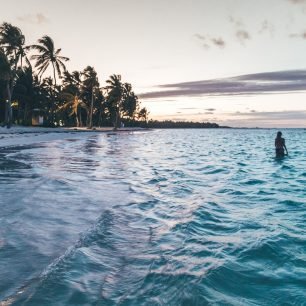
[12, 49]
[48, 55]
[114, 98]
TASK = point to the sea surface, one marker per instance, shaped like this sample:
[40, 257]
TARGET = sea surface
[162, 217]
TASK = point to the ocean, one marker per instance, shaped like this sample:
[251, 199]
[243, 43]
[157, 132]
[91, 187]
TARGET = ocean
[161, 217]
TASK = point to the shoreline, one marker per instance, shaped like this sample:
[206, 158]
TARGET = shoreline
[23, 135]
[26, 135]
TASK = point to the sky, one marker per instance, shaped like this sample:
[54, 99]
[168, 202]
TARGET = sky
[239, 63]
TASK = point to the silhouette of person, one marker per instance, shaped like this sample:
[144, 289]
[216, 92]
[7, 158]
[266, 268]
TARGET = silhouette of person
[280, 145]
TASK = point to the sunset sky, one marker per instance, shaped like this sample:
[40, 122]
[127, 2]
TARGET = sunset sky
[234, 62]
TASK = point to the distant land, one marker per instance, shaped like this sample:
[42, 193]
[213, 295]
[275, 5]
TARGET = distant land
[169, 124]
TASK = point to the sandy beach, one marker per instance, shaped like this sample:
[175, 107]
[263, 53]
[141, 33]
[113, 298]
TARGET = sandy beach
[22, 135]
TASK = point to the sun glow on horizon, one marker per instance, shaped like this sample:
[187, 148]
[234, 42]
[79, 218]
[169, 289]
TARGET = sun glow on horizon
[155, 43]
[266, 110]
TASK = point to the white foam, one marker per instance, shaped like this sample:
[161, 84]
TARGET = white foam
[20, 135]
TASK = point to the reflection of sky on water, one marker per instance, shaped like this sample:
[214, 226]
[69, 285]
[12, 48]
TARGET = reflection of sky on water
[148, 213]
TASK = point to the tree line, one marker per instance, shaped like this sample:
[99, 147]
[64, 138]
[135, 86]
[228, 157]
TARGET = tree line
[169, 124]
[66, 98]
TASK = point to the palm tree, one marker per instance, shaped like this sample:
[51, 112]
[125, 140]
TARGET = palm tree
[48, 96]
[90, 86]
[72, 79]
[48, 55]
[143, 114]
[13, 42]
[6, 76]
[130, 101]
[114, 97]
[72, 93]
[12, 49]
[5, 67]
[25, 94]
[74, 103]
[101, 107]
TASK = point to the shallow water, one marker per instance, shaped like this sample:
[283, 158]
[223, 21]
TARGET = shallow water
[166, 217]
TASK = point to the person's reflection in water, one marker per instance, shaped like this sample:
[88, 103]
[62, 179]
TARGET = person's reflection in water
[280, 146]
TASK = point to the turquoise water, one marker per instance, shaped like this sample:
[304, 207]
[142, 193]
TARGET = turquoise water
[166, 217]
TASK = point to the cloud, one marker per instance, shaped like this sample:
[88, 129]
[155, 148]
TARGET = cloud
[219, 42]
[267, 119]
[251, 84]
[301, 35]
[237, 22]
[273, 116]
[242, 36]
[175, 118]
[266, 26]
[208, 41]
[203, 39]
[38, 18]
[189, 108]
[297, 1]
[240, 30]
[199, 36]
[240, 33]
[300, 4]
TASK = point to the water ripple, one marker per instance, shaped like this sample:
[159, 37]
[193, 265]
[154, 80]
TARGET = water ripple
[178, 217]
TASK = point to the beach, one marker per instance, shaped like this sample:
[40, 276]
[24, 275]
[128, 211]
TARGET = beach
[23, 135]
[152, 153]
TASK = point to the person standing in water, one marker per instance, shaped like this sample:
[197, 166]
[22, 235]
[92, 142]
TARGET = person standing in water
[280, 145]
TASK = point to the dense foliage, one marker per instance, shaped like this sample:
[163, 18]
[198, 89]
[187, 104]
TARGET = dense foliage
[67, 98]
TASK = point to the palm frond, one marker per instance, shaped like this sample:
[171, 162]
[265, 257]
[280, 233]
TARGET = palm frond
[42, 69]
[39, 48]
[63, 58]
[62, 65]
[58, 68]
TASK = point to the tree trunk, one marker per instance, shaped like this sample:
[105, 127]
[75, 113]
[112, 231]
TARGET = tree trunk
[52, 109]
[117, 119]
[77, 119]
[91, 110]
[53, 96]
[25, 114]
[100, 117]
[8, 106]
[54, 76]
[80, 119]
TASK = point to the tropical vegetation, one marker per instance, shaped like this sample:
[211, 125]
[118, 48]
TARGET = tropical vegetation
[62, 98]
